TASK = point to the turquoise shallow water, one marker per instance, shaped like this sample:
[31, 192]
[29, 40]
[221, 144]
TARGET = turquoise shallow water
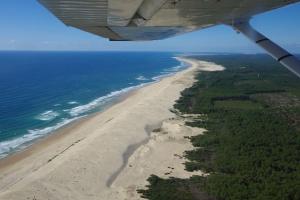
[43, 91]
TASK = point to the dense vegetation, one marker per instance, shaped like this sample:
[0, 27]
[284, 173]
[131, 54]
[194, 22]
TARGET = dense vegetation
[252, 147]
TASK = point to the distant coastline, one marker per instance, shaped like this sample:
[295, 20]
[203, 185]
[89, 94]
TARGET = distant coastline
[101, 138]
[76, 111]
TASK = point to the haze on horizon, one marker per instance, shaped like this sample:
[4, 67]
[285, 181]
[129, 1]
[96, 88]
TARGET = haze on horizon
[26, 25]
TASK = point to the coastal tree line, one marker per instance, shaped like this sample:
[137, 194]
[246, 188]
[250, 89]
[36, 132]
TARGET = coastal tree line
[251, 148]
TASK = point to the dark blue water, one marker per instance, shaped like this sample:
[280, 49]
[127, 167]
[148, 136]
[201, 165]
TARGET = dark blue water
[42, 91]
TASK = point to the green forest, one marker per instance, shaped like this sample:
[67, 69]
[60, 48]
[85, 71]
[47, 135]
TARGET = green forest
[251, 148]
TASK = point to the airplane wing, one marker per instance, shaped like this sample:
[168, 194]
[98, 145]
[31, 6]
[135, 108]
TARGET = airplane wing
[140, 20]
[153, 19]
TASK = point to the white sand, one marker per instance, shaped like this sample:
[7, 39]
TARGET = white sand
[111, 154]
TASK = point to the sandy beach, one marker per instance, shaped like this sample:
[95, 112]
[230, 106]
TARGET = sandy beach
[111, 154]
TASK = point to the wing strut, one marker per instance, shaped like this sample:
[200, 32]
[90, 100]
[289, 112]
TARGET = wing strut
[281, 55]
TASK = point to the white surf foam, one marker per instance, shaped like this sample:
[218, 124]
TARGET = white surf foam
[170, 71]
[22, 142]
[174, 69]
[78, 110]
[47, 115]
[6, 147]
[163, 75]
[141, 78]
[73, 102]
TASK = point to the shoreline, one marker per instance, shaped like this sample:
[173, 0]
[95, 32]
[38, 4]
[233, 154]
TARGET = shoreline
[61, 132]
[117, 99]
[86, 159]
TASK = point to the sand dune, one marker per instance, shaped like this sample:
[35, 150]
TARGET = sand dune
[111, 154]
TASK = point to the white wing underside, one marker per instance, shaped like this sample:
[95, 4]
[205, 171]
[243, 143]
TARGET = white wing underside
[154, 19]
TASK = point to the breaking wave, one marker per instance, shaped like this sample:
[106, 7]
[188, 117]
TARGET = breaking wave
[73, 102]
[72, 114]
[20, 143]
[47, 115]
[78, 110]
[141, 78]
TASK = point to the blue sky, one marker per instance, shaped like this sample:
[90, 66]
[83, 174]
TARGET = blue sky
[26, 25]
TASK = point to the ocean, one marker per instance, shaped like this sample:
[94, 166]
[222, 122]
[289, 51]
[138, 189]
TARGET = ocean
[42, 91]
